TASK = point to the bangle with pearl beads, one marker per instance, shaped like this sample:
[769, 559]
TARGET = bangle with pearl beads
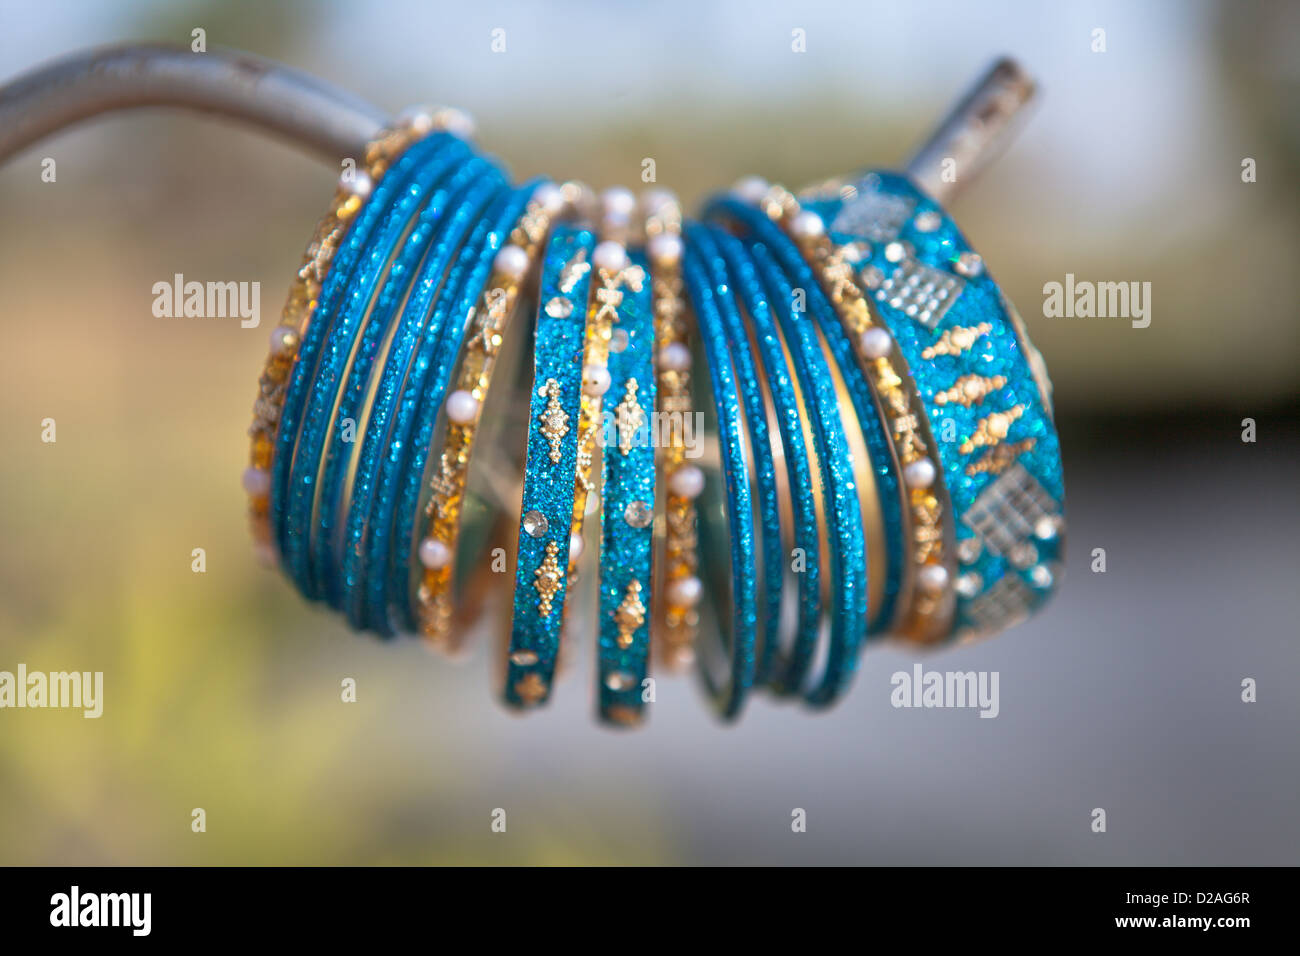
[488, 327]
[983, 385]
[442, 291]
[927, 588]
[678, 587]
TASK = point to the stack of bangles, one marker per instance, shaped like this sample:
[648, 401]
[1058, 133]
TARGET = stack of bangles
[751, 442]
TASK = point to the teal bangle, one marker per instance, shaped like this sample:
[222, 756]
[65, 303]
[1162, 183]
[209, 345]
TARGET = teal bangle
[547, 509]
[768, 528]
[738, 636]
[982, 384]
[628, 499]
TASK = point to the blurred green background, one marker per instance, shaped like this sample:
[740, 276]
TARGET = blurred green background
[223, 690]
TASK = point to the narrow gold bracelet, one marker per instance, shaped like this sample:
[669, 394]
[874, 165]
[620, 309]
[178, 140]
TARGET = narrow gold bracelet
[679, 620]
[487, 327]
[603, 301]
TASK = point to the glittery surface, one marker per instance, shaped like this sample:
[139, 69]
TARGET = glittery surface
[419, 324]
[336, 283]
[344, 324]
[441, 211]
[729, 692]
[549, 484]
[799, 274]
[626, 551]
[763, 465]
[843, 511]
[426, 396]
[1000, 352]
[787, 674]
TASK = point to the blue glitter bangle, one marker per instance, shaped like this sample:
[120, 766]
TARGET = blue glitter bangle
[884, 467]
[335, 283]
[547, 507]
[340, 330]
[728, 692]
[786, 671]
[843, 513]
[447, 210]
[425, 397]
[628, 497]
[420, 325]
[983, 386]
[763, 474]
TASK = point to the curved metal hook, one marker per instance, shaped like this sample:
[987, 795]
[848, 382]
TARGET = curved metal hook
[226, 83]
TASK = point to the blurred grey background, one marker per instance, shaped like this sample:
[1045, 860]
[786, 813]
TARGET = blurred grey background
[222, 690]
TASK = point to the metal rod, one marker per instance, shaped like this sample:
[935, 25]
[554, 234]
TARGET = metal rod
[226, 83]
[974, 133]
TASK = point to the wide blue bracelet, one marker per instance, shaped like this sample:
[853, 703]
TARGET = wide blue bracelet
[546, 512]
[981, 381]
[341, 329]
[628, 499]
[419, 325]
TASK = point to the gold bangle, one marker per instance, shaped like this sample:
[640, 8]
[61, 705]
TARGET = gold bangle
[678, 623]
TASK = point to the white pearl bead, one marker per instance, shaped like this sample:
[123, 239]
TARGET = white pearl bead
[807, 224]
[434, 555]
[752, 189]
[675, 357]
[576, 544]
[457, 122]
[462, 407]
[618, 202]
[511, 260]
[610, 256]
[933, 578]
[686, 482]
[666, 248]
[284, 340]
[357, 182]
[685, 592]
[595, 380]
[257, 482]
[551, 198]
[876, 343]
[418, 118]
[919, 473]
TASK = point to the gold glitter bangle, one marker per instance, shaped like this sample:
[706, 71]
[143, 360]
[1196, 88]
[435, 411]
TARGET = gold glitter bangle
[487, 327]
[676, 613]
[354, 187]
[926, 599]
